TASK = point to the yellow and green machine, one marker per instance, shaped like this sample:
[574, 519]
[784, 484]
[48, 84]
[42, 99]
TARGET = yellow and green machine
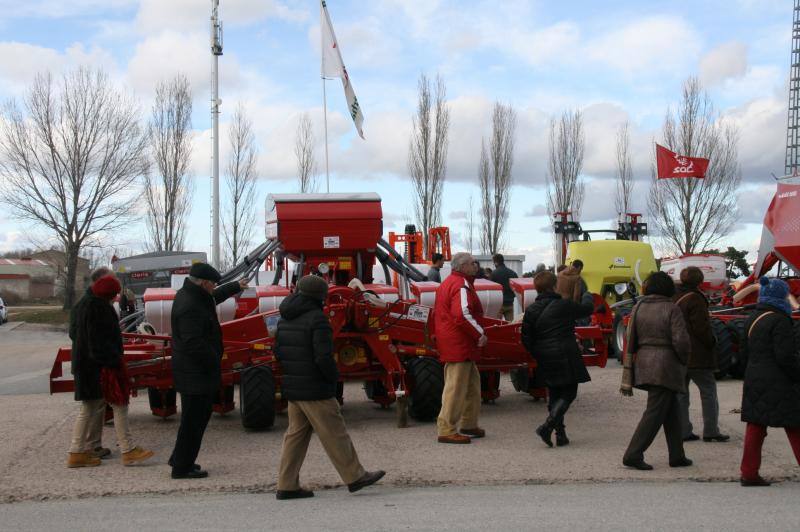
[610, 265]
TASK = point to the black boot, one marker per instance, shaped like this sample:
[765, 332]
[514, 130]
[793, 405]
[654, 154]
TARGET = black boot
[545, 431]
[561, 435]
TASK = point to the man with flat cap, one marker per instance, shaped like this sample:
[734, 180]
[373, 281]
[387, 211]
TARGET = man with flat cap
[196, 356]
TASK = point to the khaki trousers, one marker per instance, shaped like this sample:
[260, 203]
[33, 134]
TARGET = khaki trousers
[325, 418]
[461, 398]
[90, 413]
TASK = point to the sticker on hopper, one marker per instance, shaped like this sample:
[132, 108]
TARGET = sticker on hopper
[330, 242]
[418, 313]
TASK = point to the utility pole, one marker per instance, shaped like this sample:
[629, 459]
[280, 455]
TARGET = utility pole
[216, 51]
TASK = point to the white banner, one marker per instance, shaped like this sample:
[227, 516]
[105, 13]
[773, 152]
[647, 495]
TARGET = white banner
[333, 67]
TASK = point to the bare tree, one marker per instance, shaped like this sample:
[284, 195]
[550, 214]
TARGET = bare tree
[168, 194]
[470, 224]
[239, 218]
[304, 152]
[692, 214]
[427, 152]
[495, 178]
[68, 156]
[565, 186]
[624, 188]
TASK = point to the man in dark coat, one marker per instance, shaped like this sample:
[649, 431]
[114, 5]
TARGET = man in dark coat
[502, 274]
[702, 359]
[95, 435]
[196, 355]
[771, 392]
[304, 346]
[548, 333]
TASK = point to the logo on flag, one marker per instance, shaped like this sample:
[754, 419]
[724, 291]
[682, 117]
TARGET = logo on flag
[333, 67]
[670, 164]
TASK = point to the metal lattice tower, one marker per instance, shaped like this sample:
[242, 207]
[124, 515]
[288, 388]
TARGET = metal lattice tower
[793, 128]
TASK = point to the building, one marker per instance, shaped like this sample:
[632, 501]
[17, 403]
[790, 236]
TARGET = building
[154, 270]
[27, 278]
[58, 260]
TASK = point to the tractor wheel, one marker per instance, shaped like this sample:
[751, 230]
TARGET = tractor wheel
[257, 398]
[427, 383]
[723, 349]
[159, 401]
[620, 330]
[519, 379]
[739, 360]
[374, 389]
[796, 324]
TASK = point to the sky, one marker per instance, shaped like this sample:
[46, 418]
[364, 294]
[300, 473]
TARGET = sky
[615, 61]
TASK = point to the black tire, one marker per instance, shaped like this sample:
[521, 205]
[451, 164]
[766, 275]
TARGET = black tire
[796, 333]
[723, 348]
[257, 398]
[739, 358]
[158, 399]
[520, 379]
[374, 389]
[620, 330]
[425, 388]
[485, 380]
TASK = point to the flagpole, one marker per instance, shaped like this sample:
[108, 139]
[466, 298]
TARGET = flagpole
[325, 114]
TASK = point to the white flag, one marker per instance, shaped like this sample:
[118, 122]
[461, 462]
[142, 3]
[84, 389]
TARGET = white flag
[333, 67]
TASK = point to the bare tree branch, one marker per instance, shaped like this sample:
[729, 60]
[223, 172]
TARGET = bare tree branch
[495, 177]
[470, 224]
[624, 184]
[304, 152]
[691, 214]
[427, 153]
[565, 186]
[69, 156]
[239, 217]
[168, 195]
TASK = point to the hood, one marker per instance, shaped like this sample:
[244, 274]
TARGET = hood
[298, 304]
[655, 298]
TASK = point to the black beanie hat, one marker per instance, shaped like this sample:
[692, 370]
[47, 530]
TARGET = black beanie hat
[201, 270]
[313, 286]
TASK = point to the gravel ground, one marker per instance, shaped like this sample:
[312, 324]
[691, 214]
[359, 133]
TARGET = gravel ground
[36, 429]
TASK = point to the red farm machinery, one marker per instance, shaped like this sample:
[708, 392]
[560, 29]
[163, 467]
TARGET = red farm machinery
[383, 331]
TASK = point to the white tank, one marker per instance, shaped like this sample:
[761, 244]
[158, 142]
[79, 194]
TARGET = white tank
[270, 297]
[713, 267]
[524, 293]
[158, 309]
[491, 296]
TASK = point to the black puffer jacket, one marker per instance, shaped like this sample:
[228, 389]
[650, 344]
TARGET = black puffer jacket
[197, 338]
[304, 345]
[771, 394]
[97, 342]
[548, 333]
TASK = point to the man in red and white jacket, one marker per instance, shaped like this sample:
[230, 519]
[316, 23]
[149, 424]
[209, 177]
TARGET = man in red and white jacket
[459, 339]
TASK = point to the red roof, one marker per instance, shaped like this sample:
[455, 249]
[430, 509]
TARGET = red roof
[14, 276]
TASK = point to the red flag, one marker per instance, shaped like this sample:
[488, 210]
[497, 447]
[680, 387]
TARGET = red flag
[670, 164]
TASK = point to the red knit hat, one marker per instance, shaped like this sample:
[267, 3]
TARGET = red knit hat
[106, 287]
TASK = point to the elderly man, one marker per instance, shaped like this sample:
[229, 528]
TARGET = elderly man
[459, 338]
[196, 354]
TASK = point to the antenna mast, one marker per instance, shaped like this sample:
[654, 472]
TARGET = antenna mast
[216, 51]
[793, 127]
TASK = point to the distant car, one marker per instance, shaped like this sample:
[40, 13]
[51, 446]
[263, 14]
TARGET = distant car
[3, 312]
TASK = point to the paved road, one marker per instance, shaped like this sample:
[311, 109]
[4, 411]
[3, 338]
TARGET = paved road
[605, 506]
[26, 356]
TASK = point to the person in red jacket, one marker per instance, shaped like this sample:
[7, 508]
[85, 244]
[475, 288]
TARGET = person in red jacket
[459, 339]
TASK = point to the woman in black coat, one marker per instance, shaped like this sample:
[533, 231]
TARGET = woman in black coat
[548, 333]
[771, 394]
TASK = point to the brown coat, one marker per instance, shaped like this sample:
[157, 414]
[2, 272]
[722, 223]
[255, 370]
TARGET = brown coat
[661, 344]
[694, 306]
[569, 284]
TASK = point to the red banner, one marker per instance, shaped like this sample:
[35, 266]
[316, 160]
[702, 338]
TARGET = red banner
[670, 164]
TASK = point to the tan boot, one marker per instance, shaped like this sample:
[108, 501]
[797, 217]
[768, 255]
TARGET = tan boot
[137, 454]
[82, 460]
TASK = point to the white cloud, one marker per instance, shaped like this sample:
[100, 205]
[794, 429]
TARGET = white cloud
[728, 60]
[753, 202]
[58, 8]
[647, 46]
[762, 137]
[190, 15]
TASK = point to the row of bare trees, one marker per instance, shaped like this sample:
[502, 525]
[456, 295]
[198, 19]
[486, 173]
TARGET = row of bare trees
[76, 161]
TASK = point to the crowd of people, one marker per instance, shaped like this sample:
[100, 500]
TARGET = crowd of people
[669, 345]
